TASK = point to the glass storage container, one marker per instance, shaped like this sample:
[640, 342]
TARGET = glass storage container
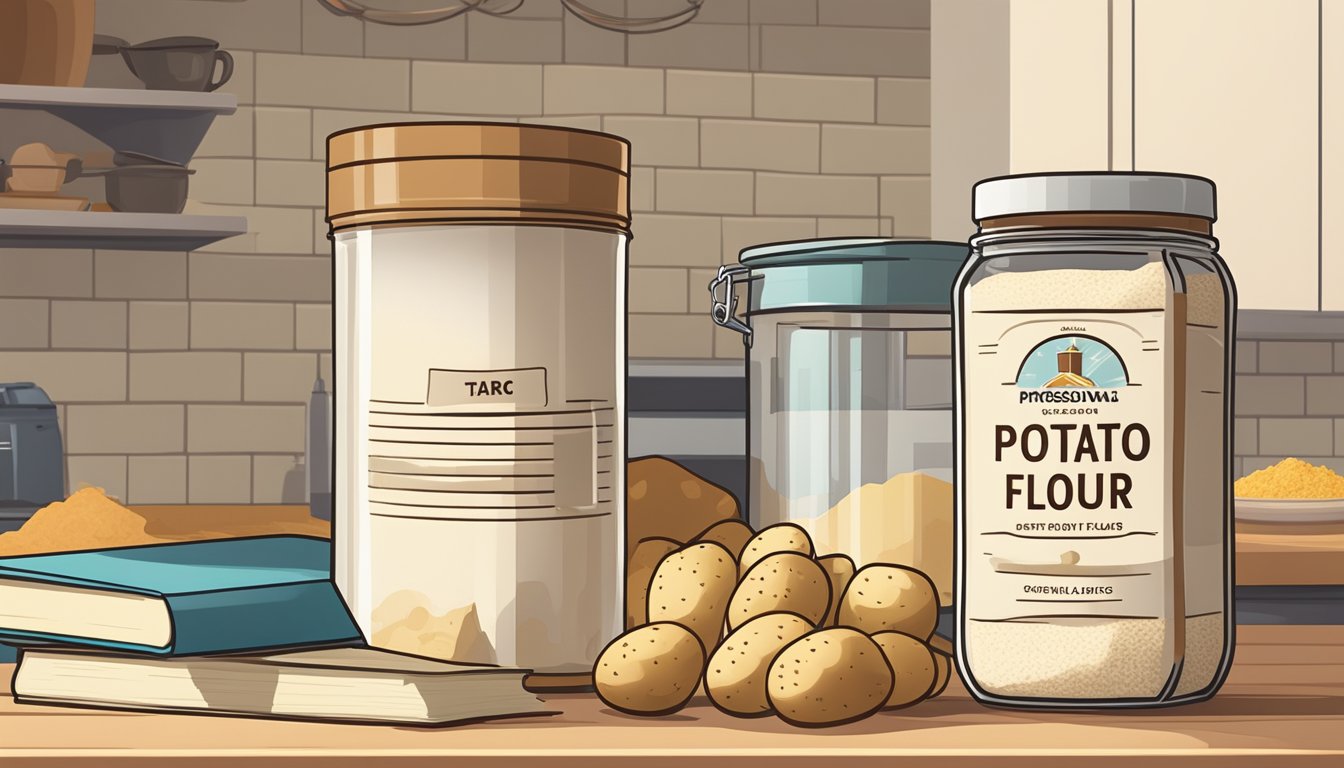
[1094, 375]
[848, 347]
[480, 275]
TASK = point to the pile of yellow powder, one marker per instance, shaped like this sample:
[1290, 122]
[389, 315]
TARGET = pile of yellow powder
[1291, 479]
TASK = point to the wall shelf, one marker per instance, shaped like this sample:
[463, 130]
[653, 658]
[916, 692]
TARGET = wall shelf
[166, 124]
[111, 230]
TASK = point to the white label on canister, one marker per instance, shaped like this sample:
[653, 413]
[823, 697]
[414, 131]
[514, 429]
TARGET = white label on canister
[510, 386]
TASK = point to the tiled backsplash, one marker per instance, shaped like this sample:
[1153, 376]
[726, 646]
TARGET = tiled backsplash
[1290, 402]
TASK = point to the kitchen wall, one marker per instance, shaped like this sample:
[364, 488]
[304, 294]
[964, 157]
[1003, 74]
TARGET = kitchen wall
[182, 377]
[1290, 400]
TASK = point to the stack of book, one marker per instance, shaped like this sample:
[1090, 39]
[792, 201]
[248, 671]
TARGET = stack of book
[249, 626]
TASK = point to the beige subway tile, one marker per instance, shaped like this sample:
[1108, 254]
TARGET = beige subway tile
[849, 227]
[106, 472]
[291, 182]
[279, 480]
[1296, 357]
[699, 46]
[239, 325]
[321, 234]
[798, 194]
[657, 290]
[903, 101]
[46, 273]
[784, 12]
[713, 12]
[279, 377]
[756, 144]
[69, 376]
[157, 480]
[1246, 440]
[243, 84]
[229, 136]
[675, 336]
[141, 274]
[866, 13]
[1339, 437]
[874, 149]
[1272, 396]
[661, 141]
[332, 81]
[284, 133]
[642, 186]
[159, 325]
[124, 428]
[443, 40]
[262, 278]
[328, 34]
[806, 97]
[219, 479]
[245, 428]
[697, 290]
[663, 240]
[1247, 357]
[697, 191]
[269, 229]
[708, 94]
[1297, 437]
[1325, 394]
[325, 363]
[907, 202]
[845, 51]
[744, 233]
[478, 89]
[312, 326]
[582, 122]
[23, 323]
[186, 376]
[88, 324]
[728, 344]
[223, 180]
[328, 121]
[514, 40]
[250, 25]
[589, 44]
[572, 89]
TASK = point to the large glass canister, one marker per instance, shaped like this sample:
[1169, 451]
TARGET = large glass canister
[1095, 323]
[480, 275]
[850, 394]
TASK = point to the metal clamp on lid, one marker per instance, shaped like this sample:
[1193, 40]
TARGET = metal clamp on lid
[724, 311]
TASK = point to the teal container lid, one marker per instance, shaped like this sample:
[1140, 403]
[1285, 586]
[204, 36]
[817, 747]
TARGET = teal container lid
[857, 274]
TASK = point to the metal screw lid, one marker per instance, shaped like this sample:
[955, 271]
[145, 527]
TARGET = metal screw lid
[1101, 192]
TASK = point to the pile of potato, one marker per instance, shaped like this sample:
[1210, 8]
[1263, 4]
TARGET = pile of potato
[766, 627]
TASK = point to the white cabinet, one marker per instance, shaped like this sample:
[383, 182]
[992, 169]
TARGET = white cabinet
[1332, 155]
[1228, 89]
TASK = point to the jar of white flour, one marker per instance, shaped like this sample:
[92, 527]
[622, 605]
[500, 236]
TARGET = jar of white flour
[1093, 329]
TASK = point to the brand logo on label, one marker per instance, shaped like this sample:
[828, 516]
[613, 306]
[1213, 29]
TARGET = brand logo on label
[1071, 369]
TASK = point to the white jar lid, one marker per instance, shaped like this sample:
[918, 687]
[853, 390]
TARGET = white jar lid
[1112, 192]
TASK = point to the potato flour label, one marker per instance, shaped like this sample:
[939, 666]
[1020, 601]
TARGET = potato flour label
[1066, 465]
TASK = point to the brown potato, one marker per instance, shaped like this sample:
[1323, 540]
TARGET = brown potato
[666, 499]
[784, 581]
[944, 664]
[828, 677]
[735, 675]
[638, 573]
[839, 569]
[884, 597]
[650, 670]
[691, 587]
[914, 665]
[781, 537]
[732, 534]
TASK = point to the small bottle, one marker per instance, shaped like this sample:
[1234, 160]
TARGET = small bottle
[319, 459]
[1093, 360]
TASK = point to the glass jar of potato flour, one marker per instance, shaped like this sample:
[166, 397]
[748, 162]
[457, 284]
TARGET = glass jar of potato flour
[849, 377]
[480, 277]
[1094, 324]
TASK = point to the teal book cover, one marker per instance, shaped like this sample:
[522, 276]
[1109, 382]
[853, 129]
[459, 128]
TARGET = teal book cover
[221, 596]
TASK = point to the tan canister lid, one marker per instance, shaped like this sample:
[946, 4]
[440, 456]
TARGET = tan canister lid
[425, 172]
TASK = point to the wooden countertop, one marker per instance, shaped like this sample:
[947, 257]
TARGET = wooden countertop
[1282, 706]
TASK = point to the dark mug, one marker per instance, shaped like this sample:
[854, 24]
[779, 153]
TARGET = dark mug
[178, 63]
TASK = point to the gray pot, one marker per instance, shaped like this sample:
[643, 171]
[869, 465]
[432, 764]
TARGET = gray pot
[147, 188]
